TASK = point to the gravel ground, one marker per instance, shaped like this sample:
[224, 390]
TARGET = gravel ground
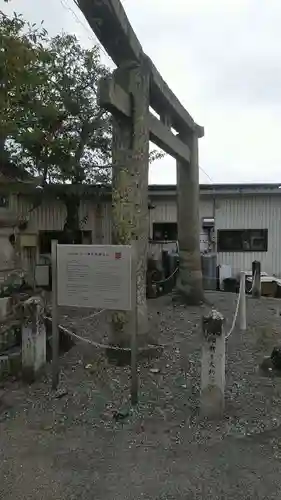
[73, 448]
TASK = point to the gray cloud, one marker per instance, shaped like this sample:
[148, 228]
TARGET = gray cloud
[221, 58]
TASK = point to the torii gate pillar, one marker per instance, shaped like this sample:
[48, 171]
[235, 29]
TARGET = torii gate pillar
[189, 284]
[130, 163]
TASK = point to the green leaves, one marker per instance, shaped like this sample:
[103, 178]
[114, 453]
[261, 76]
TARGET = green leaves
[50, 119]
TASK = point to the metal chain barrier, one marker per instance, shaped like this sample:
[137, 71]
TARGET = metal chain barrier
[241, 304]
[93, 315]
[235, 315]
[238, 304]
[103, 346]
[253, 281]
[166, 279]
[158, 346]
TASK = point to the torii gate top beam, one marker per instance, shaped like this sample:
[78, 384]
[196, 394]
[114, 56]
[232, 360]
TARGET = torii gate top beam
[110, 23]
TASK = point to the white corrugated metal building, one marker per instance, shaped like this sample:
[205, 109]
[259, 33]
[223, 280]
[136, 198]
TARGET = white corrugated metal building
[240, 222]
[253, 215]
[246, 221]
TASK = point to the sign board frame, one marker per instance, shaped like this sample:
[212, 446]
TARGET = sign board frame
[94, 276]
[129, 305]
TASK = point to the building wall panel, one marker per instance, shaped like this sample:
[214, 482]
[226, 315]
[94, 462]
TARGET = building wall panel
[50, 215]
[237, 212]
[251, 212]
[166, 211]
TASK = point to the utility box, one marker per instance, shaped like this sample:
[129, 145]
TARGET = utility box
[209, 271]
[42, 275]
[28, 240]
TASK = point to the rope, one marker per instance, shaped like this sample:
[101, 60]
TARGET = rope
[103, 346]
[235, 314]
[166, 279]
[253, 281]
[92, 315]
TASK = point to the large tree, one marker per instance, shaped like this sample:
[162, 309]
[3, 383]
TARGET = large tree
[51, 123]
[21, 58]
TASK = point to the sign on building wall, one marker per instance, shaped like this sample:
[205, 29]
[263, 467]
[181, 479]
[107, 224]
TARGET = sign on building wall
[96, 276]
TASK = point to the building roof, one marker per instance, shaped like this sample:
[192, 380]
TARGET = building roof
[27, 185]
[217, 187]
[220, 189]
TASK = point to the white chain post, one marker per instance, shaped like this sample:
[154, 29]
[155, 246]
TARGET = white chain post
[243, 320]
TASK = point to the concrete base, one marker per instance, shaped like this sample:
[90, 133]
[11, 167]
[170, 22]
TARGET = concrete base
[122, 323]
[213, 377]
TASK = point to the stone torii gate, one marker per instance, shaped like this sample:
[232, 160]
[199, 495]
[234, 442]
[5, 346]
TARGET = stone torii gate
[135, 86]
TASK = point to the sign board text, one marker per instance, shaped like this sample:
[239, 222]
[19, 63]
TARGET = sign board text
[96, 276]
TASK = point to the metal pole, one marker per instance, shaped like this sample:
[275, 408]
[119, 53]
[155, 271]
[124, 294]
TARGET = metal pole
[134, 328]
[243, 321]
[55, 331]
[256, 279]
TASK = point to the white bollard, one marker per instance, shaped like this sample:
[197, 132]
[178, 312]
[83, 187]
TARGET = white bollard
[213, 366]
[33, 339]
[243, 319]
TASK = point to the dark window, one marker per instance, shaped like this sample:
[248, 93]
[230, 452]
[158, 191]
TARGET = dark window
[165, 231]
[12, 239]
[46, 237]
[242, 240]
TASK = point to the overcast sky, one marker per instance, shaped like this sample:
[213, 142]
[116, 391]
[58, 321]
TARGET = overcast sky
[222, 58]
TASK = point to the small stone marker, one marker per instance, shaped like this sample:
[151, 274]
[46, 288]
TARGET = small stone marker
[213, 365]
[33, 339]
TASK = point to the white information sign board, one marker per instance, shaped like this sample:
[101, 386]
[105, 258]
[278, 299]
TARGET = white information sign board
[97, 276]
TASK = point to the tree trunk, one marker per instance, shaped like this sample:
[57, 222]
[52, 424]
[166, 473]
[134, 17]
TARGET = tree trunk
[71, 229]
[3, 155]
[189, 284]
[130, 155]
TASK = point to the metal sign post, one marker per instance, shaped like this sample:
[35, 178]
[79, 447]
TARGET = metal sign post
[55, 332]
[134, 327]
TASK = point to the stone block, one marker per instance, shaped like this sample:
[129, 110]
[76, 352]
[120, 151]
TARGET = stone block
[33, 339]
